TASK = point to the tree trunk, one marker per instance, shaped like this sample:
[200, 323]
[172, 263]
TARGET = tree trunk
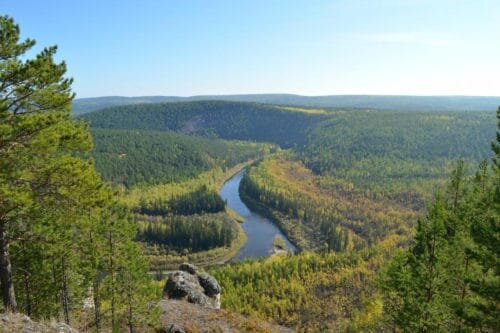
[65, 291]
[112, 273]
[7, 285]
[27, 291]
[97, 305]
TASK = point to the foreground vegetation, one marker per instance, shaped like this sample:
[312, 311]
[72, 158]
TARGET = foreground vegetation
[64, 239]
[309, 291]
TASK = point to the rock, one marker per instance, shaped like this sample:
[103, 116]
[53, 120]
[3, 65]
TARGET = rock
[180, 283]
[197, 288]
[187, 267]
[26, 319]
[196, 297]
[6, 319]
[209, 284]
[172, 328]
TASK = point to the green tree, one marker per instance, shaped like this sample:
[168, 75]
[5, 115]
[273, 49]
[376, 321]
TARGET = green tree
[70, 238]
[449, 280]
[35, 126]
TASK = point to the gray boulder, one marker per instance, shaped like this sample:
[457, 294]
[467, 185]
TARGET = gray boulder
[180, 283]
[197, 288]
[187, 267]
[209, 284]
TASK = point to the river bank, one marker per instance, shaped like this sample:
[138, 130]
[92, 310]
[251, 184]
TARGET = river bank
[260, 231]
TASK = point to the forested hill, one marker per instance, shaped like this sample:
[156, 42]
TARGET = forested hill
[406, 103]
[286, 126]
[131, 157]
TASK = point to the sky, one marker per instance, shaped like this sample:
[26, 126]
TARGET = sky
[307, 47]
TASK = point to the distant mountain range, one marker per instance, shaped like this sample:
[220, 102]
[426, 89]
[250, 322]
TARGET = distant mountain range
[408, 103]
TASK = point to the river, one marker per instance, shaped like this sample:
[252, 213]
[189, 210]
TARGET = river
[260, 231]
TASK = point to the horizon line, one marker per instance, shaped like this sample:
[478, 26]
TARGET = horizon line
[292, 94]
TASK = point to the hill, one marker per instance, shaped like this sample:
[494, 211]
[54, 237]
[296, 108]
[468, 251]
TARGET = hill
[387, 102]
[131, 157]
[227, 120]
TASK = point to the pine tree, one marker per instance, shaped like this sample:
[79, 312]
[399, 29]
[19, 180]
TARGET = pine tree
[450, 278]
[71, 240]
[35, 126]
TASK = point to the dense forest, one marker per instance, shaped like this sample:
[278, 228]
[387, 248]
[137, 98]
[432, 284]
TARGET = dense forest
[446, 281]
[201, 200]
[397, 153]
[193, 233]
[352, 188]
[311, 292]
[133, 157]
[321, 212]
[169, 181]
[398, 103]
[221, 119]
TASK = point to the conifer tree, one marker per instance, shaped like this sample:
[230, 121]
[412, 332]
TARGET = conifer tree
[35, 126]
[450, 278]
[70, 238]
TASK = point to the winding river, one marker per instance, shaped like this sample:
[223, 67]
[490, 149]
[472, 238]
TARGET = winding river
[260, 231]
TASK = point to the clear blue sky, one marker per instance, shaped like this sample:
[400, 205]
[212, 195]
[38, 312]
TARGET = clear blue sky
[311, 47]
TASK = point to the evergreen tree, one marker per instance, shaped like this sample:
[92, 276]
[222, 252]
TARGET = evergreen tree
[70, 240]
[450, 278]
[37, 135]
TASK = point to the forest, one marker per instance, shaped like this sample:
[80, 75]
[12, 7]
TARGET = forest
[139, 157]
[214, 119]
[169, 182]
[397, 103]
[351, 188]
[196, 233]
[395, 213]
[446, 279]
[397, 154]
[321, 213]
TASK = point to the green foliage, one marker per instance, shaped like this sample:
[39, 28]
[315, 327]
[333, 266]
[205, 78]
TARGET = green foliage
[318, 212]
[193, 233]
[403, 103]
[201, 200]
[148, 157]
[397, 154]
[59, 224]
[450, 278]
[226, 120]
[310, 292]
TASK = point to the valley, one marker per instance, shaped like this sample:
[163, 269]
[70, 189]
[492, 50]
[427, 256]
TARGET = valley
[260, 231]
[175, 203]
[345, 187]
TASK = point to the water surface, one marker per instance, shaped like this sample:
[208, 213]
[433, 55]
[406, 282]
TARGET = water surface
[260, 231]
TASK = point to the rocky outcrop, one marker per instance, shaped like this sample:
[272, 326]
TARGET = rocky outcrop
[209, 284]
[179, 314]
[193, 286]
